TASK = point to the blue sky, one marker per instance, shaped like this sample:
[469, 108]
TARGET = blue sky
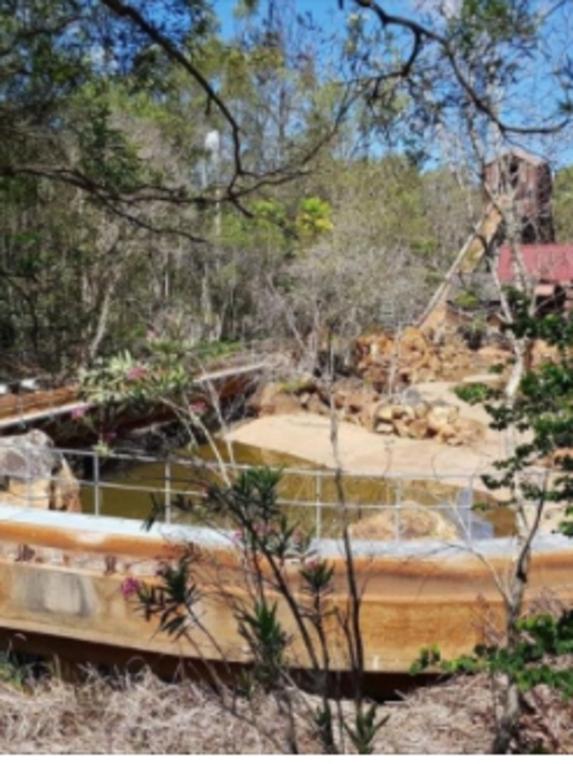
[535, 90]
[325, 12]
[321, 10]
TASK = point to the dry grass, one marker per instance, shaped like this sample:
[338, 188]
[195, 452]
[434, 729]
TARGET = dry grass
[458, 716]
[142, 715]
[146, 715]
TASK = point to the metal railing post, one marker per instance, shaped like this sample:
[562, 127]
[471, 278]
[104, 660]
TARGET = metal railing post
[397, 508]
[28, 458]
[96, 476]
[318, 500]
[167, 479]
[471, 508]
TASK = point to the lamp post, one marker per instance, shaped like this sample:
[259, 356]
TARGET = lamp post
[212, 145]
[213, 149]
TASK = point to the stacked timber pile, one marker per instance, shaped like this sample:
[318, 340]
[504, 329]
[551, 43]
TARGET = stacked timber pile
[35, 476]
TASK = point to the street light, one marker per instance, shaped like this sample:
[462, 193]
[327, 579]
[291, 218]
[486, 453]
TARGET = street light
[213, 148]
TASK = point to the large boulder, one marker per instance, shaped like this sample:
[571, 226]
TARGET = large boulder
[405, 357]
[420, 419]
[273, 398]
[410, 521]
[34, 475]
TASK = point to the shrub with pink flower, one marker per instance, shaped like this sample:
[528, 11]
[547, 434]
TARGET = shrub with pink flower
[79, 412]
[136, 373]
[130, 586]
[239, 536]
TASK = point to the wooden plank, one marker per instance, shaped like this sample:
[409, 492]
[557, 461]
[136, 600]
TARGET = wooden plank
[26, 408]
[466, 262]
[35, 416]
[17, 405]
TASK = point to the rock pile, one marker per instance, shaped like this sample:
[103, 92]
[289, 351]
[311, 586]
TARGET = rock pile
[390, 361]
[407, 417]
[379, 396]
[33, 475]
[422, 420]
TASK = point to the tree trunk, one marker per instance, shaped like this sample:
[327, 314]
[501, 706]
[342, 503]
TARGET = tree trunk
[509, 719]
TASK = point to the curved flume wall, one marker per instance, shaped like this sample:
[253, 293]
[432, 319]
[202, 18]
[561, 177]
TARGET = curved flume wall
[62, 575]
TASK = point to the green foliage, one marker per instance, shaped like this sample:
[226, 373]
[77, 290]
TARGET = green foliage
[13, 671]
[167, 373]
[263, 536]
[217, 349]
[467, 301]
[314, 217]
[365, 728]
[474, 392]
[543, 409]
[317, 576]
[323, 723]
[174, 599]
[179, 503]
[563, 204]
[94, 114]
[541, 637]
[543, 405]
[262, 631]
[269, 212]
[251, 503]
[108, 381]
[502, 20]
[106, 155]
[428, 658]
[566, 526]
[245, 8]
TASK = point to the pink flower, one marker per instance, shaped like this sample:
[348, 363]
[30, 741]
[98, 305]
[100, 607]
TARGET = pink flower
[138, 372]
[199, 407]
[79, 412]
[129, 587]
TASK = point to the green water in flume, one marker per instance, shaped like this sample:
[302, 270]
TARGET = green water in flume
[129, 486]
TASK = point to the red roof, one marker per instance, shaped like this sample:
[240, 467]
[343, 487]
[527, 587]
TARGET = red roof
[549, 263]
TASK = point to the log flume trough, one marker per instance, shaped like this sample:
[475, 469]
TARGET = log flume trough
[68, 588]
[61, 579]
[27, 408]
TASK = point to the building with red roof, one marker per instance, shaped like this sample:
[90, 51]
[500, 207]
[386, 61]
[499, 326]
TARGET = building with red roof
[544, 263]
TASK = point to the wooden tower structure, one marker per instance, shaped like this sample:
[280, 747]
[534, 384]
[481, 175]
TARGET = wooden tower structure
[526, 180]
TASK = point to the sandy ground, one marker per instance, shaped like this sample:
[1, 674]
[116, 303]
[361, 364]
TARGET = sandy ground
[307, 436]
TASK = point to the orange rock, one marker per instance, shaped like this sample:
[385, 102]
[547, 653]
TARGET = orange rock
[410, 521]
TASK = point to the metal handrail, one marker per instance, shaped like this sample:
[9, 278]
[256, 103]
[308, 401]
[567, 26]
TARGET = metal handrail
[319, 503]
[297, 471]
